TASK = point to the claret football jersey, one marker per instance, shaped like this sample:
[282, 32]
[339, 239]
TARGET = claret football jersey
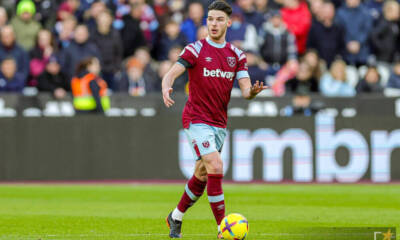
[212, 69]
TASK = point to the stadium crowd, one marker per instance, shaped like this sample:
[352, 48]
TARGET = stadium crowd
[333, 48]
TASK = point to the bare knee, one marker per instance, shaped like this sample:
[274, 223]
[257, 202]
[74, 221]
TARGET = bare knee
[213, 163]
[201, 172]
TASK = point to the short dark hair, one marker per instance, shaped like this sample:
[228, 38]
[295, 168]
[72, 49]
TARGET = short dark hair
[221, 5]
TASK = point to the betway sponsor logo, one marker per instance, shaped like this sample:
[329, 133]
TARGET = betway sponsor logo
[218, 73]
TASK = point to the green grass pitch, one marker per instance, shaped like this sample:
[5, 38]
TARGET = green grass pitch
[131, 211]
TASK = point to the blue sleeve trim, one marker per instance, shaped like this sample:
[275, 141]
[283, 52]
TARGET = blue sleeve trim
[242, 74]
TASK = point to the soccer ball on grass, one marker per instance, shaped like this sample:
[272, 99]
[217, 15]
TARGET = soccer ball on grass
[234, 227]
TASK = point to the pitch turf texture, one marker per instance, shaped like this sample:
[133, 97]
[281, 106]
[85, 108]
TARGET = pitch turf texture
[138, 211]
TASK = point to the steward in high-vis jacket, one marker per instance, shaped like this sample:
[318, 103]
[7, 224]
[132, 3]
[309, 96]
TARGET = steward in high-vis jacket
[88, 89]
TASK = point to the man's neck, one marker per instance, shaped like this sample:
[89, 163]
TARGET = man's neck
[216, 42]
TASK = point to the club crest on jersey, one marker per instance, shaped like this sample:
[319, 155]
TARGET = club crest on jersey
[231, 61]
[206, 144]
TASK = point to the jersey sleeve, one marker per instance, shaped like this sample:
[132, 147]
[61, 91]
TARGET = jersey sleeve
[188, 56]
[242, 69]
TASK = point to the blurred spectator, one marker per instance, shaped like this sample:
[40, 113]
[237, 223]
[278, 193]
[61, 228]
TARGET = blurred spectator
[46, 12]
[202, 32]
[40, 55]
[3, 17]
[53, 80]
[133, 80]
[242, 34]
[131, 33]
[297, 18]
[88, 89]
[277, 45]
[148, 20]
[385, 36]
[25, 27]
[302, 104]
[109, 43]
[318, 66]
[70, 8]
[251, 16]
[162, 10]
[143, 55]
[326, 36]
[371, 83]
[334, 84]
[316, 9]
[9, 47]
[357, 25]
[91, 14]
[394, 79]
[374, 7]
[264, 6]
[65, 32]
[194, 20]
[10, 79]
[78, 50]
[303, 79]
[171, 36]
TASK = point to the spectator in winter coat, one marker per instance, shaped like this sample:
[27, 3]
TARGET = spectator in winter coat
[171, 36]
[25, 26]
[297, 18]
[333, 83]
[277, 45]
[131, 33]
[250, 14]
[357, 25]
[64, 31]
[371, 83]
[40, 55]
[242, 34]
[109, 43]
[326, 36]
[53, 80]
[385, 36]
[10, 79]
[193, 22]
[81, 48]
[394, 79]
[9, 47]
[374, 7]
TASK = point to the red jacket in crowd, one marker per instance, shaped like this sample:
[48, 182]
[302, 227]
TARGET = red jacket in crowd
[298, 21]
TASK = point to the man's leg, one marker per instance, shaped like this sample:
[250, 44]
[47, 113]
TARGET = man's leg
[193, 190]
[214, 167]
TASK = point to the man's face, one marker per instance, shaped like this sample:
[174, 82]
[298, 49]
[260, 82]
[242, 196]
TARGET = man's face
[8, 67]
[81, 34]
[7, 36]
[352, 3]
[217, 23]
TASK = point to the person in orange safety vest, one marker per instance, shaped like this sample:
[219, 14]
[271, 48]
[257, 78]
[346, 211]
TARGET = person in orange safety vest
[88, 89]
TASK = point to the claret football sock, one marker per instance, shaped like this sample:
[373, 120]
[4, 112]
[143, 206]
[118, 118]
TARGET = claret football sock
[216, 196]
[193, 191]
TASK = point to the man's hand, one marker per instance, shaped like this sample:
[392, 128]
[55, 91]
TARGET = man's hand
[167, 99]
[257, 88]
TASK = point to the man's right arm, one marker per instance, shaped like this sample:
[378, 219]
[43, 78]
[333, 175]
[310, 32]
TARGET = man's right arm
[168, 80]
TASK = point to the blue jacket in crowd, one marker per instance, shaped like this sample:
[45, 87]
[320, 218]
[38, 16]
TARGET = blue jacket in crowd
[21, 58]
[394, 81]
[357, 25]
[16, 84]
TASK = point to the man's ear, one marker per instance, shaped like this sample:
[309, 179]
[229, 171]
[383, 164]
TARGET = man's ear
[229, 22]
